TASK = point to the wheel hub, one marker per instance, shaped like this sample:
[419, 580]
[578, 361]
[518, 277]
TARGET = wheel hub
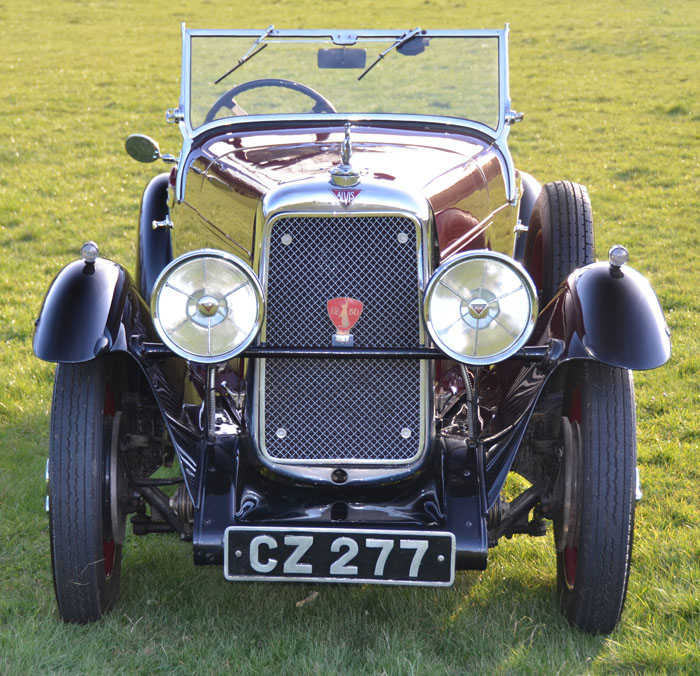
[116, 512]
[567, 541]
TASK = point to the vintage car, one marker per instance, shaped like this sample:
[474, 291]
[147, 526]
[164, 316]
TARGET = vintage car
[349, 320]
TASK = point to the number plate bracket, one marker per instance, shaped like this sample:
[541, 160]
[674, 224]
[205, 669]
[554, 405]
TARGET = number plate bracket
[345, 555]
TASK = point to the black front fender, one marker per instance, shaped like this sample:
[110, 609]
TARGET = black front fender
[82, 311]
[93, 309]
[155, 249]
[621, 321]
[609, 315]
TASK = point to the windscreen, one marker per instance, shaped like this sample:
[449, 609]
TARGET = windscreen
[232, 76]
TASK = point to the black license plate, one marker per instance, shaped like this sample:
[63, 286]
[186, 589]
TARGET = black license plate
[339, 555]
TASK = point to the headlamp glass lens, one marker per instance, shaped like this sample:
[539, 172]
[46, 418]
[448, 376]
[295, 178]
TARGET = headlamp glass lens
[208, 306]
[480, 307]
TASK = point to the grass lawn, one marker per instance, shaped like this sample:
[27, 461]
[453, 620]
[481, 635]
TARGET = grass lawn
[611, 100]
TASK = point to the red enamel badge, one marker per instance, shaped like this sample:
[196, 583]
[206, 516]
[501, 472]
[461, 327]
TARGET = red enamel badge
[346, 195]
[344, 313]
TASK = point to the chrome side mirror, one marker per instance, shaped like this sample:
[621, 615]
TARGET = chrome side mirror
[144, 149]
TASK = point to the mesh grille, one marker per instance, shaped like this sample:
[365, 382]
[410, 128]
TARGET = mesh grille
[370, 259]
[318, 410]
[345, 410]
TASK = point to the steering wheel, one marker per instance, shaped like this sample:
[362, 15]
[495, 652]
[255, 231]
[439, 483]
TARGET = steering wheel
[228, 99]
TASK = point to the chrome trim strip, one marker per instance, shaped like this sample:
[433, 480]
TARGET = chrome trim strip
[183, 124]
[503, 130]
[333, 33]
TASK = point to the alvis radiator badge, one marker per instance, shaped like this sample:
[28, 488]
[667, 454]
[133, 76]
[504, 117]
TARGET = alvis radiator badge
[344, 313]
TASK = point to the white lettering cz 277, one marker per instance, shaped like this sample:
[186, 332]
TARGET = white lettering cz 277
[348, 555]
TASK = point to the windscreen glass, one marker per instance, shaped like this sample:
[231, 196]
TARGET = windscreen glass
[454, 77]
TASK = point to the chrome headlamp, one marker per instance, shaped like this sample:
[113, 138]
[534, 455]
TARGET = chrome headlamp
[480, 307]
[207, 306]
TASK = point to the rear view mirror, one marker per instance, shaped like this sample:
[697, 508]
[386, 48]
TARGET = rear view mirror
[142, 148]
[145, 149]
[342, 58]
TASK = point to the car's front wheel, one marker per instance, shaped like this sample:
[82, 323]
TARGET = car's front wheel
[86, 482]
[594, 515]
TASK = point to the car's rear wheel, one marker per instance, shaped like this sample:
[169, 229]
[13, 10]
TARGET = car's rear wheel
[86, 482]
[560, 236]
[594, 513]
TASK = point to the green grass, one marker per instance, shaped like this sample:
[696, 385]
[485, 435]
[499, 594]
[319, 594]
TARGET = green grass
[612, 100]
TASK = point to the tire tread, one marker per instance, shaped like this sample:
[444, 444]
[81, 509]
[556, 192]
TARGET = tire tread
[607, 502]
[570, 236]
[75, 470]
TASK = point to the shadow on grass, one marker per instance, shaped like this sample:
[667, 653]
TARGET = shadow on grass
[487, 623]
[186, 619]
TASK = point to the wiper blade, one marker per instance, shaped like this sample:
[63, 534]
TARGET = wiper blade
[402, 40]
[249, 54]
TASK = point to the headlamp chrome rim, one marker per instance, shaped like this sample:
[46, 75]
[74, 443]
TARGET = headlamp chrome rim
[206, 304]
[480, 308]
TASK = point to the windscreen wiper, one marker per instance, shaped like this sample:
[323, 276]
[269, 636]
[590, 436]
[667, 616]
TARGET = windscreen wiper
[250, 53]
[402, 40]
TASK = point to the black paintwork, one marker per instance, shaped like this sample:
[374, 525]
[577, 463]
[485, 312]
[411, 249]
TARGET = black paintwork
[602, 314]
[421, 502]
[623, 324]
[529, 353]
[612, 316]
[81, 315]
[155, 249]
[94, 308]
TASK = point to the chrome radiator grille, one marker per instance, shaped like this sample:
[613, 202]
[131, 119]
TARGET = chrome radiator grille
[345, 410]
[312, 260]
[348, 410]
